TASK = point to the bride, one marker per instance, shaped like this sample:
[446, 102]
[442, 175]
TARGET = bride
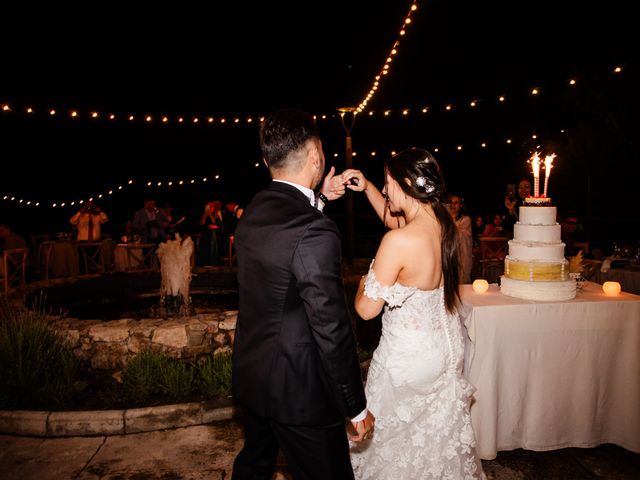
[415, 386]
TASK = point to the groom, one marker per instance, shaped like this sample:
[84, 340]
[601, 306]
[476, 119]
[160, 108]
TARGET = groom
[295, 366]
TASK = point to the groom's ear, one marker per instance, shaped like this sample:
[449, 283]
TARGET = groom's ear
[313, 154]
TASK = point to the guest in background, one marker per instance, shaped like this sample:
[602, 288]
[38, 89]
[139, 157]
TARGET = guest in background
[167, 210]
[129, 234]
[173, 221]
[232, 213]
[477, 227]
[212, 227]
[88, 222]
[495, 228]
[151, 222]
[463, 221]
[570, 233]
[513, 205]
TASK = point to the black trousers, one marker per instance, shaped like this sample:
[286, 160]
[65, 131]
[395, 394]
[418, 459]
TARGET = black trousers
[312, 452]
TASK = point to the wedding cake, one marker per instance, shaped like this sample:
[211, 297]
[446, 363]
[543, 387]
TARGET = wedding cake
[535, 268]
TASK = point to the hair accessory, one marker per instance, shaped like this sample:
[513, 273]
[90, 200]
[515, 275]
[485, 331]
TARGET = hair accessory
[422, 183]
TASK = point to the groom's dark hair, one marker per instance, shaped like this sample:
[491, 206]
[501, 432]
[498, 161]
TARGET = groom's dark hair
[284, 132]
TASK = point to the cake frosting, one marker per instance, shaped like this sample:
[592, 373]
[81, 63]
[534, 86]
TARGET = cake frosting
[538, 291]
[535, 268]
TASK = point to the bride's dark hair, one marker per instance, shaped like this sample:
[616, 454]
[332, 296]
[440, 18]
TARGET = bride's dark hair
[418, 174]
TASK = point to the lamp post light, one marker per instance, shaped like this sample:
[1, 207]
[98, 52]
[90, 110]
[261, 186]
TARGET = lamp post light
[348, 117]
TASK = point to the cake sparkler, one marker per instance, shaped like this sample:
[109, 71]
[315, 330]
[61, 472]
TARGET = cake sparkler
[548, 165]
[535, 167]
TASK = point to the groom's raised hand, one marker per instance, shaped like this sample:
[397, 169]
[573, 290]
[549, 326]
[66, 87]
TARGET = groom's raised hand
[332, 185]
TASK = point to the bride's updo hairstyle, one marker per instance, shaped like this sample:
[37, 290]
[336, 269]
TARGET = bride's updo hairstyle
[419, 176]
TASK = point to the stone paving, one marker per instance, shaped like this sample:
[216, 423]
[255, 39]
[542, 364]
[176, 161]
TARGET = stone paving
[207, 452]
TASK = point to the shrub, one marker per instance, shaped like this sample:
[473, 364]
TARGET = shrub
[215, 376]
[139, 378]
[151, 375]
[37, 368]
[176, 379]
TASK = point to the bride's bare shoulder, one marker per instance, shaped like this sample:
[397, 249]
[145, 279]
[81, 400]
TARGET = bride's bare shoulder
[397, 238]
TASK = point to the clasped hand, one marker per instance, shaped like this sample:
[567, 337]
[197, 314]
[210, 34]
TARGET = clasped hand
[334, 186]
[362, 430]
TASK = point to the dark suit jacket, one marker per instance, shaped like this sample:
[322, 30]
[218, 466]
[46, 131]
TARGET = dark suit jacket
[294, 357]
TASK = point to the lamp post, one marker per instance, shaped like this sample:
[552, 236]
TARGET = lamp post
[348, 117]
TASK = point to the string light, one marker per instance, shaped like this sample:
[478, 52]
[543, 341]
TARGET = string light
[108, 192]
[388, 59]
[170, 183]
[6, 108]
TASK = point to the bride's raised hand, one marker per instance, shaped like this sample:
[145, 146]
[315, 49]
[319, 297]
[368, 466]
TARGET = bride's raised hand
[354, 180]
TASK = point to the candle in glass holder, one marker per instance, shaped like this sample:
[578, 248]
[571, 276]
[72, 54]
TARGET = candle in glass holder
[611, 288]
[480, 286]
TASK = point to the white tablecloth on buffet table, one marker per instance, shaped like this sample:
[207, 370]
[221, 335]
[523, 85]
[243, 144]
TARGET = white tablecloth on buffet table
[551, 375]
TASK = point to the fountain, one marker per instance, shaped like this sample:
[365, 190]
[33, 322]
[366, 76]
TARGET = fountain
[108, 319]
[175, 274]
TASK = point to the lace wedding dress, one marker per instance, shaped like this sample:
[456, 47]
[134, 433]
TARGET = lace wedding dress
[417, 393]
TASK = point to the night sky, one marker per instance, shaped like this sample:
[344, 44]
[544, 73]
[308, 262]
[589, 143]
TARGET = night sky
[245, 59]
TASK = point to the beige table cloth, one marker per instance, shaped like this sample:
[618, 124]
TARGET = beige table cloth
[133, 256]
[551, 375]
[65, 261]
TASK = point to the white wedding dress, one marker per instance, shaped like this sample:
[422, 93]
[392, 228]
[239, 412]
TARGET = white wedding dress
[416, 391]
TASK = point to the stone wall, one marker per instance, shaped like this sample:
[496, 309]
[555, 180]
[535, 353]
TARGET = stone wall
[109, 345]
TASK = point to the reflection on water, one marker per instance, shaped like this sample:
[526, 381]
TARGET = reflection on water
[148, 305]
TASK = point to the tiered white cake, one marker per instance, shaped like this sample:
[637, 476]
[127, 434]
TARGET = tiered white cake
[535, 268]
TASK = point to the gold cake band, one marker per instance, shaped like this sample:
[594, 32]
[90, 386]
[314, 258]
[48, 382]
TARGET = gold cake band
[536, 271]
